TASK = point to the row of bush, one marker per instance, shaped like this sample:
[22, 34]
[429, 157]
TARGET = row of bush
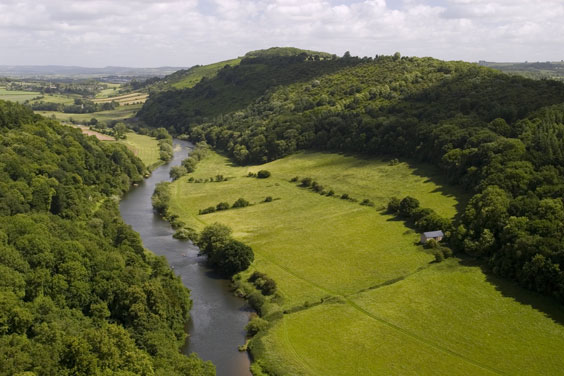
[262, 282]
[261, 174]
[240, 203]
[216, 179]
[308, 182]
[188, 165]
[424, 219]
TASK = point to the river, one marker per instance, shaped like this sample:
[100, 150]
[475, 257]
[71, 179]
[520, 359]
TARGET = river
[218, 317]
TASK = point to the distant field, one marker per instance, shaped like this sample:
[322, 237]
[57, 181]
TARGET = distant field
[132, 98]
[195, 74]
[57, 98]
[120, 113]
[145, 147]
[367, 300]
[111, 90]
[16, 95]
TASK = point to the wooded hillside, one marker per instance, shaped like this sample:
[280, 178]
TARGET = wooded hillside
[499, 136]
[79, 295]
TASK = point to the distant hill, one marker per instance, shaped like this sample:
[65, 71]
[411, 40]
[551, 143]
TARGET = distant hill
[50, 71]
[535, 70]
[187, 78]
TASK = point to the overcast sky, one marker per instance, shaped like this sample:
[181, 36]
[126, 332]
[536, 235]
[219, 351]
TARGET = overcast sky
[149, 33]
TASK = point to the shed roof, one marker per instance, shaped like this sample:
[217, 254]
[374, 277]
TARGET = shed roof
[433, 234]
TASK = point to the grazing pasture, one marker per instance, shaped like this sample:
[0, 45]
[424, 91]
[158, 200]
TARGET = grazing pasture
[356, 293]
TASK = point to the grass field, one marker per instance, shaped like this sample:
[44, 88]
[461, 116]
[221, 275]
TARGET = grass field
[111, 90]
[360, 296]
[120, 113]
[196, 74]
[16, 95]
[145, 147]
[57, 98]
[131, 98]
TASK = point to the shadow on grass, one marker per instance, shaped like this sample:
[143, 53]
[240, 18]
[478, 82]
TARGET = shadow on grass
[511, 289]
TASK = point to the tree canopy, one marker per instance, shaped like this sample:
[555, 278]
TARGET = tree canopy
[79, 295]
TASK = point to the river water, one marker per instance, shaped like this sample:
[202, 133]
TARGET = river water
[218, 317]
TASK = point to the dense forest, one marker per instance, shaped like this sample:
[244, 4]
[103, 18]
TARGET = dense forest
[499, 136]
[79, 295]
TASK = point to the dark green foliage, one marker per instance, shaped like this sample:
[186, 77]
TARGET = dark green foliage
[423, 219]
[407, 206]
[79, 295]
[208, 210]
[177, 172]
[263, 283]
[263, 174]
[240, 203]
[294, 179]
[393, 205]
[367, 202]
[226, 255]
[222, 206]
[255, 325]
[345, 196]
[268, 199]
[161, 198]
[185, 233]
[306, 182]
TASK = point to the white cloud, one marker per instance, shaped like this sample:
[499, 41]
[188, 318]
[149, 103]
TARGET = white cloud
[187, 32]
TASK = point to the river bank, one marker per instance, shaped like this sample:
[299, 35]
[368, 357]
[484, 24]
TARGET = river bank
[218, 318]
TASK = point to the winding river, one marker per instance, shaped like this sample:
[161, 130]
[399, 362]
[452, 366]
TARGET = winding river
[217, 317]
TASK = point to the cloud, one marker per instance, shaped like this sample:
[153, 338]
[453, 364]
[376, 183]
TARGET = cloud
[187, 32]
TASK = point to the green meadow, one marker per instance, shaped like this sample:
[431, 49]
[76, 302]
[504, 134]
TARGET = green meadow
[145, 147]
[17, 95]
[120, 113]
[356, 294]
[194, 75]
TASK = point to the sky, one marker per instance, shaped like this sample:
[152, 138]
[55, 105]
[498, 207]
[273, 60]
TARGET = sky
[151, 33]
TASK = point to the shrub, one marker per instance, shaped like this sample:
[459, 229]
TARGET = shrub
[345, 196]
[177, 172]
[256, 275]
[367, 202]
[294, 179]
[268, 287]
[316, 187]
[268, 199]
[226, 255]
[222, 206]
[255, 325]
[252, 175]
[263, 174]
[393, 205]
[256, 300]
[240, 203]
[331, 193]
[161, 198]
[185, 234]
[407, 206]
[439, 256]
[306, 182]
[208, 210]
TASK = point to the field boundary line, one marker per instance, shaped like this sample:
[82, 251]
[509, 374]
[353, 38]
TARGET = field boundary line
[391, 325]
